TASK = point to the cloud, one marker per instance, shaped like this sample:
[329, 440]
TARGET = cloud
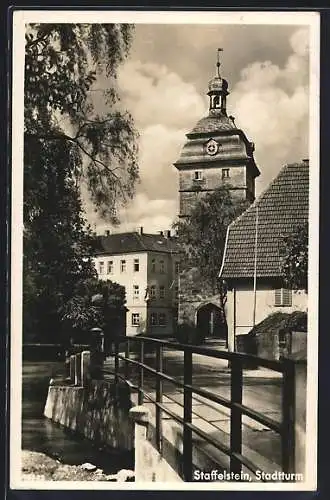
[269, 98]
[152, 215]
[155, 95]
[271, 106]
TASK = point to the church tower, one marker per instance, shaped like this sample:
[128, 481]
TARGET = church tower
[216, 152]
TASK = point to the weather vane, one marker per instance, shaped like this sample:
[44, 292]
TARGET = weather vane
[218, 61]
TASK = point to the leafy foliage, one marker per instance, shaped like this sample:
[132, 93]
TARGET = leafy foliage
[203, 234]
[63, 63]
[81, 313]
[280, 322]
[294, 250]
[74, 133]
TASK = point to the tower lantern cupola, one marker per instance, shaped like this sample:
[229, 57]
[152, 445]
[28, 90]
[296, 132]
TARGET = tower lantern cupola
[218, 91]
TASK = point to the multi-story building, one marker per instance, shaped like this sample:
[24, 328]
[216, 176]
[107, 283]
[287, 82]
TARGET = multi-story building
[147, 266]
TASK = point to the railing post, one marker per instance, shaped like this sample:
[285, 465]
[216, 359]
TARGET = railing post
[77, 369]
[141, 373]
[159, 396]
[288, 417]
[85, 368]
[127, 365]
[72, 368]
[116, 353]
[236, 414]
[97, 353]
[300, 415]
[187, 416]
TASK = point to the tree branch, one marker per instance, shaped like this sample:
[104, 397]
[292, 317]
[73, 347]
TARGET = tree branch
[65, 137]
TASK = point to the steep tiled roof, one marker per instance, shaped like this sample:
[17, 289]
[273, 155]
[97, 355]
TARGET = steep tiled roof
[135, 242]
[282, 207]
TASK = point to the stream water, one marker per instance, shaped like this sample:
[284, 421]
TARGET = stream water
[42, 435]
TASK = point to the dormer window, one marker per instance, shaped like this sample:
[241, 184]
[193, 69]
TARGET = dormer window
[198, 175]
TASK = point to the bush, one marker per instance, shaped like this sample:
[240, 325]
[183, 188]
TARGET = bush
[281, 323]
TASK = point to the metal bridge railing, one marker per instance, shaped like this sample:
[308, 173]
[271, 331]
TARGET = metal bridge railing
[285, 429]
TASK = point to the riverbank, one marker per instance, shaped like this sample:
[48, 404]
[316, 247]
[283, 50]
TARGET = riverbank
[53, 453]
[39, 467]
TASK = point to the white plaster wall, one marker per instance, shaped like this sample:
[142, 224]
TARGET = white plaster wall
[144, 278]
[128, 279]
[240, 308]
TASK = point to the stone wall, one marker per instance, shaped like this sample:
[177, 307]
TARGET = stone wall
[99, 411]
[191, 190]
[193, 292]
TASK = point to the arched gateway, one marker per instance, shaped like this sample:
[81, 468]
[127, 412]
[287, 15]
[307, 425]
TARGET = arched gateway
[209, 321]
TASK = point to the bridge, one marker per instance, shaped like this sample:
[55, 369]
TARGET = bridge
[203, 405]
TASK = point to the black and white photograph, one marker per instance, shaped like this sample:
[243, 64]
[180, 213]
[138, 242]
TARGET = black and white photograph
[164, 250]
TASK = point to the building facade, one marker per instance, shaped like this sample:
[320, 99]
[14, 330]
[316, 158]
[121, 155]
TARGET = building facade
[252, 258]
[147, 266]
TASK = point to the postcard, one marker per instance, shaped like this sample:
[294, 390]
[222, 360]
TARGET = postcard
[164, 250]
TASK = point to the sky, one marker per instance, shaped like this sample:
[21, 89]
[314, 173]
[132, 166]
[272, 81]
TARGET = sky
[164, 82]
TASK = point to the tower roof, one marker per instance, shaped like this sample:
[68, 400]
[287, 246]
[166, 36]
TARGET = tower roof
[228, 143]
[214, 122]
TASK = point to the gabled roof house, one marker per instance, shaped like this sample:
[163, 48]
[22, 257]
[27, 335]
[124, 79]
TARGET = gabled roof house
[252, 258]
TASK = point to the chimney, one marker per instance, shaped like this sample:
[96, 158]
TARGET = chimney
[141, 230]
[107, 232]
[306, 161]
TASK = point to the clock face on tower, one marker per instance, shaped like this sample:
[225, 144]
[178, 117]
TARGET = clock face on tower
[212, 147]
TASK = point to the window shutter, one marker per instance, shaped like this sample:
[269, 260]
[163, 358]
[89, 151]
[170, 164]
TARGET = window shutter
[283, 297]
[278, 297]
[287, 297]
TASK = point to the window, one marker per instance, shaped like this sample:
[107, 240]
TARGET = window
[136, 265]
[154, 319]
[101, 267]
[176, 292]
[110, 266]
[135, 319]
[123, 266]
[225, 173]
[162, 266]
[136, 291]
[198, 175]
[283, 297]
[162, 319]
[162, 292]
[153, 265]
[177, 267]
[153, 291]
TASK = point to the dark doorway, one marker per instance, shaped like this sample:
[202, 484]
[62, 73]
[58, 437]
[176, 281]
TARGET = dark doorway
[210, 322]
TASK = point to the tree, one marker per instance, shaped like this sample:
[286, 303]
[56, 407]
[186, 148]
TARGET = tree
[71, 137]
[203, 234]
[95, 303]
[57, 250]
[294, 262]
[64, 107]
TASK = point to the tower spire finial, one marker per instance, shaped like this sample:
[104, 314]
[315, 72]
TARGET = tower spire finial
[218, 61]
